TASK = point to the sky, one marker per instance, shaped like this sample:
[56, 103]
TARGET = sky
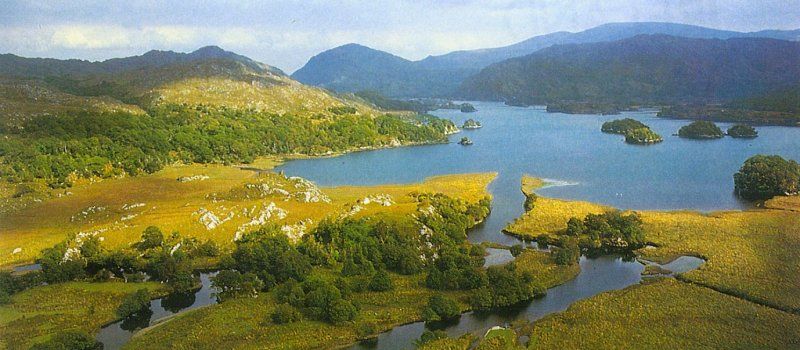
[287, 33]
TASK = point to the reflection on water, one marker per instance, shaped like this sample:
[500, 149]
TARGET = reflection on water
[115, 335]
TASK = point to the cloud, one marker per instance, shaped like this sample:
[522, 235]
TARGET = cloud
[90, 37]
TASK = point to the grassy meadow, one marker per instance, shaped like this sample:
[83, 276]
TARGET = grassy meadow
[35, 314]
[120, 209]
[754, 254]
[666, 314]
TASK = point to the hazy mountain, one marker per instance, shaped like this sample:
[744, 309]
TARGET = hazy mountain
[16, 66]
[354, 67]
[642, 69]
[607, 32]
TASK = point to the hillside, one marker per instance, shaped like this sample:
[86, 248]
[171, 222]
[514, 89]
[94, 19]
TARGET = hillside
[208, 106]
[353, 67]
[642, 69]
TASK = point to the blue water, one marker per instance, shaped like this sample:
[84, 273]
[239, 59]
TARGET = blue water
[675, 174]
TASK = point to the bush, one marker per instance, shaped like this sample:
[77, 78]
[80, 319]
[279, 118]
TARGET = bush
[5, 297]
[568, 254]
[763, 177]
[381, 282]
[429, 336]
[516, 250]
[134, 303]
[69, 341]
[440, 308]
[285, 313]
[341, 311]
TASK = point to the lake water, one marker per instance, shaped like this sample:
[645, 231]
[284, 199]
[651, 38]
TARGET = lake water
[579, 161]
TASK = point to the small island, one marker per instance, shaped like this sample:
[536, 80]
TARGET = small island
[465, 141]
[635, 132]
[622, 126]
[701, 130]
[642, 136]
[467, 108]
[471, 124]
[742, 131]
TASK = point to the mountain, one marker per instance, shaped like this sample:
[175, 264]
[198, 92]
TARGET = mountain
[209, 76]
[16, 66]
[354, 67]
[642, 69]
[608, 32]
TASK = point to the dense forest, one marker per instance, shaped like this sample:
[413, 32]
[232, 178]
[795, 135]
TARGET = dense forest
[53, 148]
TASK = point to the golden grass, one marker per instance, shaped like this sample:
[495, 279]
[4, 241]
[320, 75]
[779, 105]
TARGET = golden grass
[530, 184]
[37, 313]
[666, 314]
[173, 206]
[753, 254]
[545, 273]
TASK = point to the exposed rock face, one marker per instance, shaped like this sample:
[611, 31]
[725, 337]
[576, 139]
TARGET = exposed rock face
[260, 217]
[193, 178]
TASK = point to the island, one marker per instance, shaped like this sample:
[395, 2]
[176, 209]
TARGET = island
[701, 130]
[642, 136]
[467, 108]
[621, 126]
[471, 124]
[635, 132]
[465, 141]
[742, 131]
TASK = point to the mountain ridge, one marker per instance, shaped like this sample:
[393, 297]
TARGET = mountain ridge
[440, 76]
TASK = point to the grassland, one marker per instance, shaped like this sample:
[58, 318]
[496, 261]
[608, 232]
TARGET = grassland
[753, 254]
[131, 204]
[35, 314]
[545, 272]
[666, 314]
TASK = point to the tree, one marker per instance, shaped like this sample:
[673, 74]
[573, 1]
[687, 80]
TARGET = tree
[440, 308]
[152, 237]
[568, 254]
[701, 129]
[233, 284]
[742, 131]
[575, 227]
[381, 282]
[134, 303]
[763, 177]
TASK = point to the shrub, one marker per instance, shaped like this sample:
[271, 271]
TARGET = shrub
[568, 254]
[285, 313]
[763, 177]
[481, 299]
[381, 282]
[69, 341]
[440, 308]
[429, 336]
[134, 303]
[516, 250]
[341, 311]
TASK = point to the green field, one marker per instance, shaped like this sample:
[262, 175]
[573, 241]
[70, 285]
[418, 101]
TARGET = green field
[35, 314]
[666, 314]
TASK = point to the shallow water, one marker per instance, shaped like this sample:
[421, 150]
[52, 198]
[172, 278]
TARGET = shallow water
[115, 335]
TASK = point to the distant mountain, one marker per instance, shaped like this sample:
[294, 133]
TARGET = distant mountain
[642, 69]
[209, 76]
[354, 67]
[607, 32]
[16, 66]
